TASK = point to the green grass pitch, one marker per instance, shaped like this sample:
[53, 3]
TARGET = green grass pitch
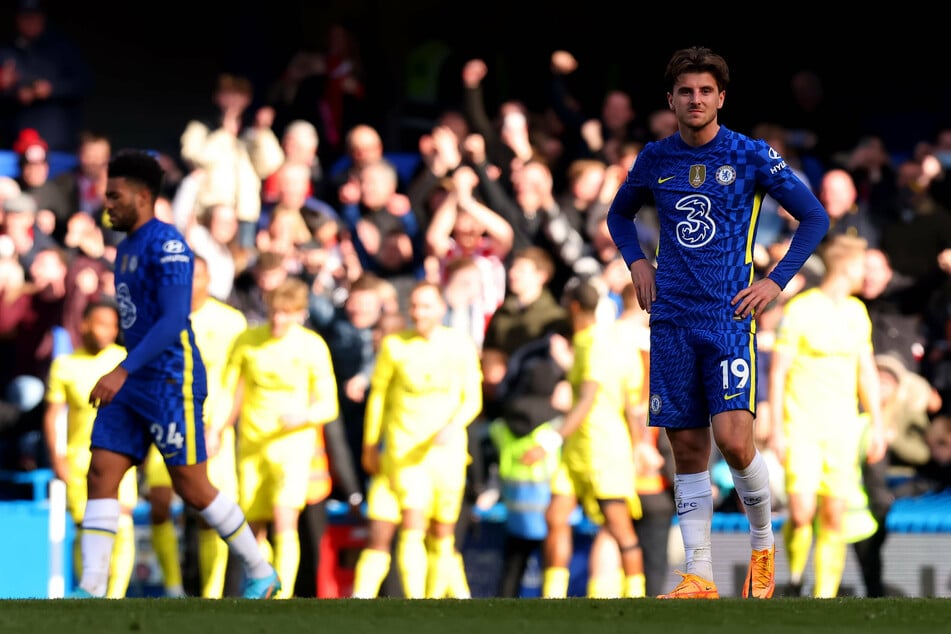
[492, 616]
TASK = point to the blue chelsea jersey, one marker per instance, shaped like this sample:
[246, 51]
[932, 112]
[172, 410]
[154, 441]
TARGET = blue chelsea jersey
[155, 256]
[708, 201]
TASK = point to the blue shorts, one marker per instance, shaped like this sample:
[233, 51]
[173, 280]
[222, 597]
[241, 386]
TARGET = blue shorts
[162, 415]
[696, 374]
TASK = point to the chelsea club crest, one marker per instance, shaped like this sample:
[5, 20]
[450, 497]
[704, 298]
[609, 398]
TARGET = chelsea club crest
[726, 174]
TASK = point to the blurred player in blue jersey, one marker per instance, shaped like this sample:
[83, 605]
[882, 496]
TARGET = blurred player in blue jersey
[156, 394]
[707, 183]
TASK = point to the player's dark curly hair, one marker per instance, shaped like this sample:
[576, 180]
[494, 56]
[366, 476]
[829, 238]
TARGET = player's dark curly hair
[697, 59]
[140, 167]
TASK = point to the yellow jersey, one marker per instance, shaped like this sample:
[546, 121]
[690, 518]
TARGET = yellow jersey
[825, 339]
[418, 385]
[71, 379]
[281, 375]
[216, 326]
[596, 358]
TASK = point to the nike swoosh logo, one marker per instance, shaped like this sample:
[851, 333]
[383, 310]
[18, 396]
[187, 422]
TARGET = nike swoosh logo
[732, 396]
[664, 180]
[679, 513]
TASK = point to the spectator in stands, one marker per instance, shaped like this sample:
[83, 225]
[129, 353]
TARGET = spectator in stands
[215, 238]
[441, 152]
[233, 158]
[506, 137]
[661, 123]
[300, 143]
[324, 86]
[44, 81]
[537, 219]
[532, 397]
[28, 317]
[462, 226]
[870, 165]
[908, 403]
[19, 225]
[935, 475]
[528, 312]
[89, 275]
[817, 132]
[847, 215]
[251, 285]
[918, 232]
[587, 136]
[382, 226]
[897, 327]
[85, 186]
[293, 192]
[34, 179]
[364, 146]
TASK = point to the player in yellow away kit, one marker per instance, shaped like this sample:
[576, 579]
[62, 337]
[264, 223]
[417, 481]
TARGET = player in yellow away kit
[425, 390]
[597, 457]
[283, 379]
[216, 326]
[822, 370]
[70, 380]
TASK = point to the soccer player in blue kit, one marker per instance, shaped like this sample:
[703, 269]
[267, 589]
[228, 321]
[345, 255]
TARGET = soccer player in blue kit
[156, 394]
[707, 183]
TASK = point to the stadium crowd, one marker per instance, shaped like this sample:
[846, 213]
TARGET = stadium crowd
[500, 206]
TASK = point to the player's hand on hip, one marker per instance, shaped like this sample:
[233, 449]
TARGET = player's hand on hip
[108, 386]
[755, 297]
[644, 277]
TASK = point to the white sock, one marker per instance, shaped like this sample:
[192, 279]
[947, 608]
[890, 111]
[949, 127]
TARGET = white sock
[227, 518]
[100, 523]
[694, 497]
[752, 486]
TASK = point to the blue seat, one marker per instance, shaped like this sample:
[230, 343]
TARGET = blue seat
[59, 162]
[62, 342]
[9, 163]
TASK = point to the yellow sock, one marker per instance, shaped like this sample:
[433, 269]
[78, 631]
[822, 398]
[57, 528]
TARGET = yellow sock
[441, 560]
[635, 586]
[165, 545]
[123, 559]
[412, 561]
[829, 563]
[286, 561]
[372, 567]
[555, 583]
[458, 582]
[605, 586]
[212, 563]
[798, 543]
